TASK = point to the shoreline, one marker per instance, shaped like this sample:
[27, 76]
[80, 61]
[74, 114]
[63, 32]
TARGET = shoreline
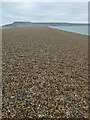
[70, 31]
[50, 27]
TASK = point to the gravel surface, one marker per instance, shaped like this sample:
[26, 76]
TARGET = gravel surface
[0, 74]
[45, 74]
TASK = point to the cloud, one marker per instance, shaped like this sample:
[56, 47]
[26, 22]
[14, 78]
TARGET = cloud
[44, 12]
[45, 0]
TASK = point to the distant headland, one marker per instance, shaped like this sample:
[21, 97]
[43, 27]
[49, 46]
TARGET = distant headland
[30, 24]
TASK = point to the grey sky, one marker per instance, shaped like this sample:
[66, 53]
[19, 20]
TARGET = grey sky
[45, 12]
[45, 0]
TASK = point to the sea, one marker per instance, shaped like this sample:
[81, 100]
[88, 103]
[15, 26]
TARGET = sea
[80, 29]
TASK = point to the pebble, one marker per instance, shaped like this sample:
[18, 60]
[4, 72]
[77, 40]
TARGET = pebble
[44, 77]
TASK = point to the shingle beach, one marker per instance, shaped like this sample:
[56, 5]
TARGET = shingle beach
[45, 74]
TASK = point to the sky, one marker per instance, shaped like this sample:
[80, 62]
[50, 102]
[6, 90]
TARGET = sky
[51, 11]
[45, 0]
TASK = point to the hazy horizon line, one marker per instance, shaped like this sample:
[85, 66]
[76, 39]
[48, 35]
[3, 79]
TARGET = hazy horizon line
[45, 22]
